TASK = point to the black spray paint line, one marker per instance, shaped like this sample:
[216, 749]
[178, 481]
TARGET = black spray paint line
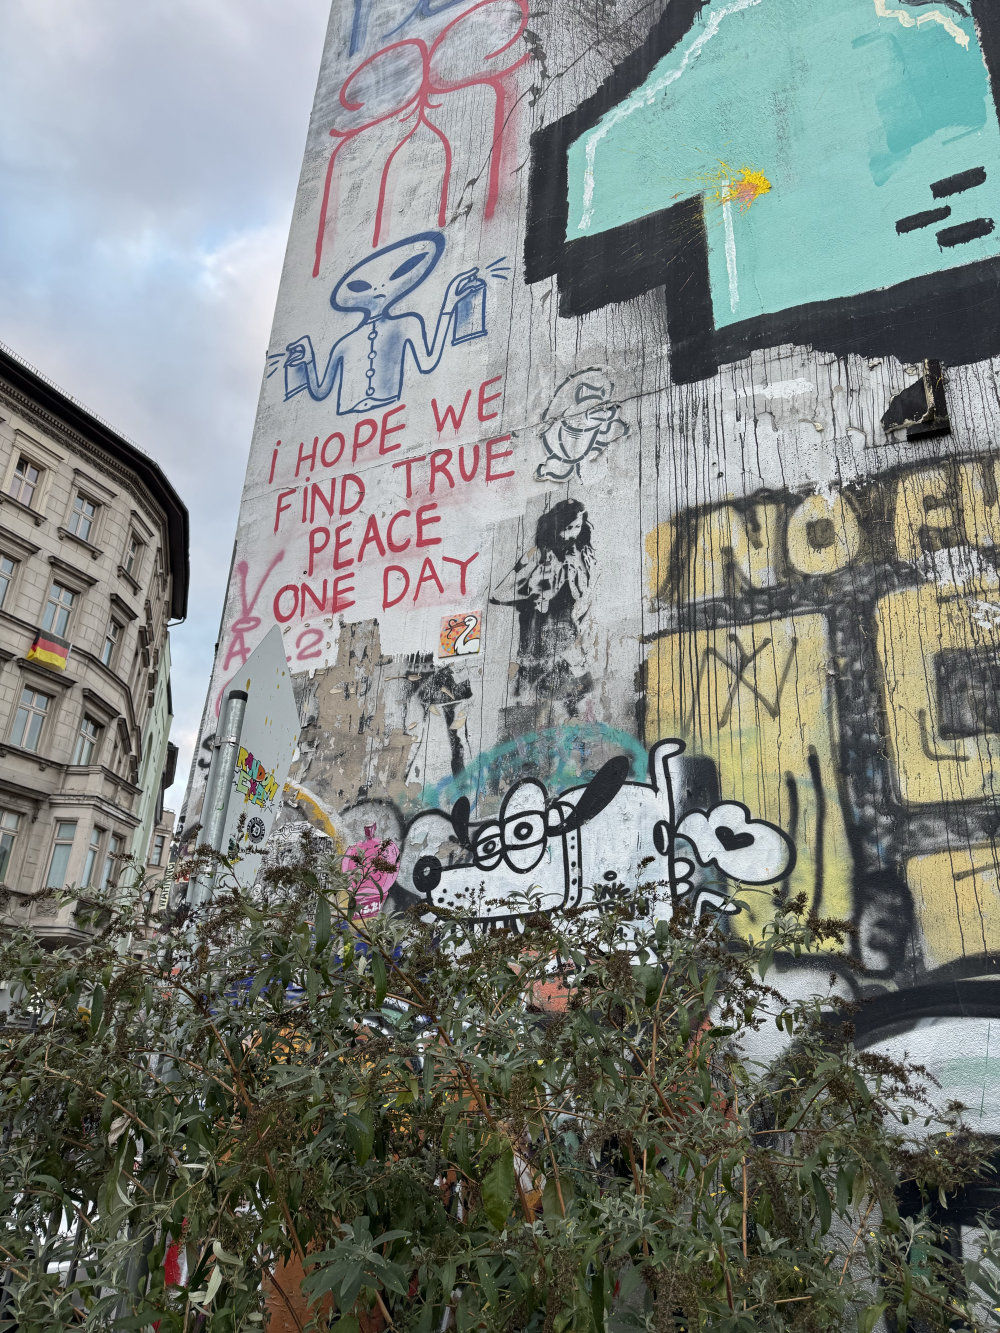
[959, 183]
[926, 219]
[816, 775]
[792, 788]
[965, 232]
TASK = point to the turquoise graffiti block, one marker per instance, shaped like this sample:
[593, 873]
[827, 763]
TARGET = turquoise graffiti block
[849, 112]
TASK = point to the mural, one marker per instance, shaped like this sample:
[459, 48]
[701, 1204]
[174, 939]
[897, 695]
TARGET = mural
[886, 652]
[407, 85]
[596, 595]
[892, 182]
[368, 364]
[587, 845]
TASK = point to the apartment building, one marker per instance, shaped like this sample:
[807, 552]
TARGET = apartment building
[93, 571]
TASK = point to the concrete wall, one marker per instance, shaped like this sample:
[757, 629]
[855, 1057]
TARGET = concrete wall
[603, 407]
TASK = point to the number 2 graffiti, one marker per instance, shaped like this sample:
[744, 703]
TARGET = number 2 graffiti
[369, 362]
[409, 81]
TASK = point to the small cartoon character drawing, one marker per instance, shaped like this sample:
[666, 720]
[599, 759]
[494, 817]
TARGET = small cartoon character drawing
[580, 422]
[370, 361]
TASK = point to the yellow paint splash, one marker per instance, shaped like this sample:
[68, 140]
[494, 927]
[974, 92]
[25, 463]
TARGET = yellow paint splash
[916, 20]
[724, 185]
[743, 187]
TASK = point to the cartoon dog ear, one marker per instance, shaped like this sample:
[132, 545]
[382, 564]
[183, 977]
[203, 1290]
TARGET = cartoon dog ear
[460, 813]
[600, 791]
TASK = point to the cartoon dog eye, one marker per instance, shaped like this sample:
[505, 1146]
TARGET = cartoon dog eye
[488, 850]
[524, 839]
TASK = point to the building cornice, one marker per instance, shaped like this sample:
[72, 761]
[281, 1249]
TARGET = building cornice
[31, 394]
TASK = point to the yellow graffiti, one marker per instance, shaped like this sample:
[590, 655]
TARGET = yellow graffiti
[757, 701]
[916, 21]
[956, 898]
[938, 646]
[315, 810]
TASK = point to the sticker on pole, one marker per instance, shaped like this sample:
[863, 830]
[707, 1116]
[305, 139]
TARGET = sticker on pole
[267, 746]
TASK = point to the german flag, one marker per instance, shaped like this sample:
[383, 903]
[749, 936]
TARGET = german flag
[50, 650]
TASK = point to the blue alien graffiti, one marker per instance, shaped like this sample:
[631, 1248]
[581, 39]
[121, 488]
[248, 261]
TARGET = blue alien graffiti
[423, 9]
[369, 363]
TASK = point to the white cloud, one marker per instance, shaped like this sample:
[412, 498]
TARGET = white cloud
[149, 154]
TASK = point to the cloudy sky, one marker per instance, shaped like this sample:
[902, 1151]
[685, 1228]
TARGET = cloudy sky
[149, 154]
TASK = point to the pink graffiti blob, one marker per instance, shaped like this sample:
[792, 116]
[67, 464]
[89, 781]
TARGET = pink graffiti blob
[372, 866]
[406, 81]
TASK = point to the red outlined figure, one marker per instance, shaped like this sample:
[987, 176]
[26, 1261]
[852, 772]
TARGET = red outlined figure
[246, 622]
[405, 82]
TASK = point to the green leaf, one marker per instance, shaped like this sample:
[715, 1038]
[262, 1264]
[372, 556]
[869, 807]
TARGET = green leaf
[214, 1283]
[498, 1189]
[322, 925]
[96, 1009]
[347, 1323]
[107, 1113]
[550, 1196]
[822, 1202]
[380, 977]
[867, 1319]
[361, 1132]
[597, 1300]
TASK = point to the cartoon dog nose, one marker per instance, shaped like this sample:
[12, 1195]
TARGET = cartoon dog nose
[427, 874]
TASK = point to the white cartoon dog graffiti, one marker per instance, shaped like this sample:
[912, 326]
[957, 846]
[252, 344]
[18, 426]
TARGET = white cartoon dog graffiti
[588, 844]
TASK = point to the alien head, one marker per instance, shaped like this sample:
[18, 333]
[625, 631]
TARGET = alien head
[378, 282]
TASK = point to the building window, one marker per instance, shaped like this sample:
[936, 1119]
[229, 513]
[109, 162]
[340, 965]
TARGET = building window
[81, 521]
[61, 851]
[87, 741]
[159, 845]
[29, 718]
[7, 566]
[108, 652]
[24, 482]
[133, 556]
[57, 609]
[93, 856]
[116, 846]
[9, 824]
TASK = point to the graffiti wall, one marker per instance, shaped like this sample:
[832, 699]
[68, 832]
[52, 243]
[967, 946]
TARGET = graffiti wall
[625, 479]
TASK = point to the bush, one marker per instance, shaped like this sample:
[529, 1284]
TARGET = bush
[556, 1128]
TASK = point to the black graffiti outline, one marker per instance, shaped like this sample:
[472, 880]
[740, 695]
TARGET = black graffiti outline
[951, 316]
[486, 845]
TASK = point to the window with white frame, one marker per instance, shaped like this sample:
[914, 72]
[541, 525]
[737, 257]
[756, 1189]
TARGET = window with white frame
[157, 849]
[55, 618]
[93, 857]
[133, 556]
[7, 567]
[30, 718]
[25, 481]
[62, 850]
[10, 822]
[87, 740]
[110, 650]
[84, 515]
[116, 848]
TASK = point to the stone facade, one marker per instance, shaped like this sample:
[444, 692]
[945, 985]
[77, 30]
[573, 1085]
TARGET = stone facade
[93, 554]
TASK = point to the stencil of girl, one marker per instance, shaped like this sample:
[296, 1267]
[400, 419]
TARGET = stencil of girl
[552, 593]
[370, 361]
